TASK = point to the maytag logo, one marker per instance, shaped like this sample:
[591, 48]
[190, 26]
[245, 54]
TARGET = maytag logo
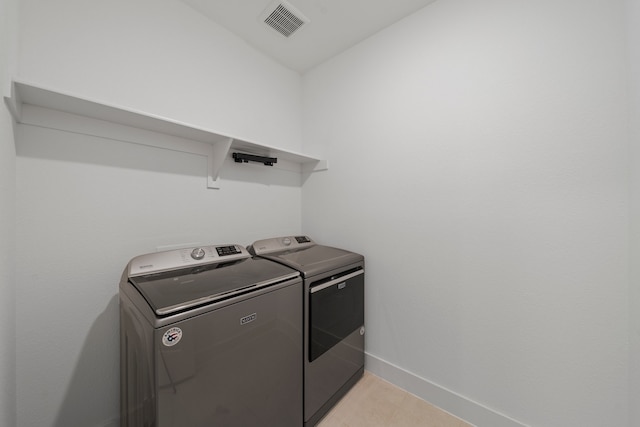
[248, 319]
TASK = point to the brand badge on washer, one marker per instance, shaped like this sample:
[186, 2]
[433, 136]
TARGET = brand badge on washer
[248, 319]
[172, 337]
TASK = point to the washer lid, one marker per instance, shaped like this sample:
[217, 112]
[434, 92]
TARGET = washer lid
[178, 290]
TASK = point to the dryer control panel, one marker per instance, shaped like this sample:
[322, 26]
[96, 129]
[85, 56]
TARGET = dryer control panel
[279, 244]
[188, 257]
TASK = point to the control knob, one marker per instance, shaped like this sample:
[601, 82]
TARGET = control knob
[286, 241]
[197, 254]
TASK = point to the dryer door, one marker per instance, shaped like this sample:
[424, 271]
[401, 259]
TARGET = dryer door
[336, 309]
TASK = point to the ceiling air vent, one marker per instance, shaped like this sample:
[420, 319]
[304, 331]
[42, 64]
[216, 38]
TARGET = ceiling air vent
[284, 18]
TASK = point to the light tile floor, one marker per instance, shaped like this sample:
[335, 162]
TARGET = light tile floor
[373, 402]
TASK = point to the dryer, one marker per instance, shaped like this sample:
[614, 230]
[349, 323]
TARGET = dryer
[333, 282]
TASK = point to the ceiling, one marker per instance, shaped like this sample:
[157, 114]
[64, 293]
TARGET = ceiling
[333, 25]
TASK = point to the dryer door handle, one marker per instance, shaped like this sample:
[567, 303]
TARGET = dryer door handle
[342, 280]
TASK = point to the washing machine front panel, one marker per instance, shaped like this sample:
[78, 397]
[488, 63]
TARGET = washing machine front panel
[238, 366]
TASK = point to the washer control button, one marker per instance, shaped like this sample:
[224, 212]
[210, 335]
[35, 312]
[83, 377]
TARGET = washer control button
[197, 254]
[286, 241]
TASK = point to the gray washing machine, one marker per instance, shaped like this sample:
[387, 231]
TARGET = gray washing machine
[210, 337]
[333, 317]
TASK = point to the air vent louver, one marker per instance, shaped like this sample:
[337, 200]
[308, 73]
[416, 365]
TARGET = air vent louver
[284, 18]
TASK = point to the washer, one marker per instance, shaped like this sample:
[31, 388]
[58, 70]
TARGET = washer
[333, 317]
[210, 337]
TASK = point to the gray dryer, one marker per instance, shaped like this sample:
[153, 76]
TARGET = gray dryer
[333, 317]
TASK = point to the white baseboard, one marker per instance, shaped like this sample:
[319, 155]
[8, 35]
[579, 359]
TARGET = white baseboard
[447, 400]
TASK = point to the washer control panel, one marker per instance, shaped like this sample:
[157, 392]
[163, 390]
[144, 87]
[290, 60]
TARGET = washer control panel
[228, 250]
[278, 244]
[180, 258]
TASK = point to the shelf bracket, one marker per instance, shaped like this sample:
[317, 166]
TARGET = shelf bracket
[14, 104]
[215, 160]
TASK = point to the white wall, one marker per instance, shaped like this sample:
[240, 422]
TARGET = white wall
[633, 28]
[86, 205]
[8, 17]
[478, 155]
[164, 58]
